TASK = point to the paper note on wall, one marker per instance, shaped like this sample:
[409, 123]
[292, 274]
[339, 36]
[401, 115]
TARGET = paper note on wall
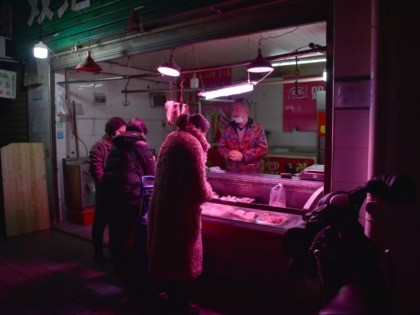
[7, 84]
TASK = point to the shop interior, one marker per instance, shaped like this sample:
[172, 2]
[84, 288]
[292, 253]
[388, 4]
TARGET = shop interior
[288, 101]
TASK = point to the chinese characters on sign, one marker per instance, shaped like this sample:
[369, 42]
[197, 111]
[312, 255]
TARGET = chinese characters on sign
[46, 12]
[299, 105]
[7, 84]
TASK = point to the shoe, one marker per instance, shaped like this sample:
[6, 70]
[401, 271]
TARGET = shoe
[100, 259]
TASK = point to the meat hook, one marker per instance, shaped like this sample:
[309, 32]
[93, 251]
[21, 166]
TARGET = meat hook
[126, 102]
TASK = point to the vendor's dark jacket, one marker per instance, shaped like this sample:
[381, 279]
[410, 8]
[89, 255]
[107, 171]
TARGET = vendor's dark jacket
[130, 158]
[98, 156]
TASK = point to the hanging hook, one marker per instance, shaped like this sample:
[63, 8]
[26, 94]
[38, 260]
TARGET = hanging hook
[170, 90]
[126, 102]
[181, 96]
[297, 72]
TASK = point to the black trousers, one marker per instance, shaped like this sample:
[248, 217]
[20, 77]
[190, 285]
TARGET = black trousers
[122, 233]
[100, 221]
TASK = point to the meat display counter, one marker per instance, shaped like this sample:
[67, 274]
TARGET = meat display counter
[242, 233]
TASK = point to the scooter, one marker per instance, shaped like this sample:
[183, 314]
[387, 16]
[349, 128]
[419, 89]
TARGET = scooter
[331, 245]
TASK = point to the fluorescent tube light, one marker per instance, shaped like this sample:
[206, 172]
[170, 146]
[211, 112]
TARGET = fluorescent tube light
[300, 62]
[228, 90]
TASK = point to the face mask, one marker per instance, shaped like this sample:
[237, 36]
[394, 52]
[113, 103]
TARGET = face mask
[238, 120]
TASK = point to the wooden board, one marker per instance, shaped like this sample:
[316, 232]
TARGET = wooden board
[24, 188]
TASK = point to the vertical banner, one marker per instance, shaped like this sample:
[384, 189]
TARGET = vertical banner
[321, 123]
[7, 84]
[299, 105]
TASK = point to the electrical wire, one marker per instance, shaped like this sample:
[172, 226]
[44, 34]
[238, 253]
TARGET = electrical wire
[84, 144]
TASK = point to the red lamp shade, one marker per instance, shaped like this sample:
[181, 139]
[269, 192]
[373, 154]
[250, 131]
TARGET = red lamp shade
[88, 65]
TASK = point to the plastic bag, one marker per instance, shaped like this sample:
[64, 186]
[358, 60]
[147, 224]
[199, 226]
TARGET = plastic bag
[62, 111]
[278, 196]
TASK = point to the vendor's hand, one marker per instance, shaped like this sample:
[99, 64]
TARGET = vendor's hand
[235, 155]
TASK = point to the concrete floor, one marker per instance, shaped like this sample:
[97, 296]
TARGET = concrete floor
[53, 272]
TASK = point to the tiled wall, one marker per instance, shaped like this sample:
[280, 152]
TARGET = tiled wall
[351, 122]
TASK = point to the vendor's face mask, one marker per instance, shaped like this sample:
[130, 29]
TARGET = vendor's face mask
[238, 120]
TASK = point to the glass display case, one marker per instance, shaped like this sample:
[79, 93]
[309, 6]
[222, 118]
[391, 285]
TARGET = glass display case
[242, 232]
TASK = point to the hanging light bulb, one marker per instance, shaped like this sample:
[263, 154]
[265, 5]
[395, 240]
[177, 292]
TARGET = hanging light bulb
[40, 50]
[170, 68]
[259, 65]
[194, 83]
[88, 65]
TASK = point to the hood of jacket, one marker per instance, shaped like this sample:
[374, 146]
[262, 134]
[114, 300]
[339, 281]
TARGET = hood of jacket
[127, 138]
[199, 135]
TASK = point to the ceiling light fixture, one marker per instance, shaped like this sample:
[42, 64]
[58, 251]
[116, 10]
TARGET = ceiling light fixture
[260, 65]
[228, 90]
[40, 50]
[170, 68]
[300, 62]
[88, 65]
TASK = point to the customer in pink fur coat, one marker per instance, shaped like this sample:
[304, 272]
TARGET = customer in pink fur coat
[174, 231]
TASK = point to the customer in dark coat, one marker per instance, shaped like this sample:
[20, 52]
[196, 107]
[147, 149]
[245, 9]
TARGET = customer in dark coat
[98, 156]
[174, 233]
[129, 159]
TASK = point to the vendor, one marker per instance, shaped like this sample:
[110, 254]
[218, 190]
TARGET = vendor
[243, 143]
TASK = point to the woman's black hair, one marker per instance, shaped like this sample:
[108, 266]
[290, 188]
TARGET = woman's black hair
[136, 124]
[197, 120]
[113, 124]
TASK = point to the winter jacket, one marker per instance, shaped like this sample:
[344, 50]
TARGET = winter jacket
[253, 147]
[98, 156]
[174, 232]
[129, 159]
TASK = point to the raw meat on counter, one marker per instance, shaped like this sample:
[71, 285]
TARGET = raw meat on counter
[271, 219]
[216, 210]
[242, 214]
[237, 199]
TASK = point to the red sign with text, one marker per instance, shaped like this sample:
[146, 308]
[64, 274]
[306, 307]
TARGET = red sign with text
[299, 105]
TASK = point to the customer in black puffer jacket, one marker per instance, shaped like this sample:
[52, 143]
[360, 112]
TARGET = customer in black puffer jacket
[129, 159]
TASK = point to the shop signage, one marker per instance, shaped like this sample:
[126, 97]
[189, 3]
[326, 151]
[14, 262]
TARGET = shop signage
[299, 105]
[7, 84]
[321, 123]
[46, 12]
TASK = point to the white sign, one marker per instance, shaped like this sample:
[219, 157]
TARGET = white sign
[79, 4]
[7, 84]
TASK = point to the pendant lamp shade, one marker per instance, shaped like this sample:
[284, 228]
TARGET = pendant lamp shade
[170, 68]
[88, 65]
[259, 65]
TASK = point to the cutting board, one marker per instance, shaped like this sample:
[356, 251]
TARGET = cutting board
[24, 188]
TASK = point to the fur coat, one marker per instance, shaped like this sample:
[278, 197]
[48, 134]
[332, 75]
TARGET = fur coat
[174, 231]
